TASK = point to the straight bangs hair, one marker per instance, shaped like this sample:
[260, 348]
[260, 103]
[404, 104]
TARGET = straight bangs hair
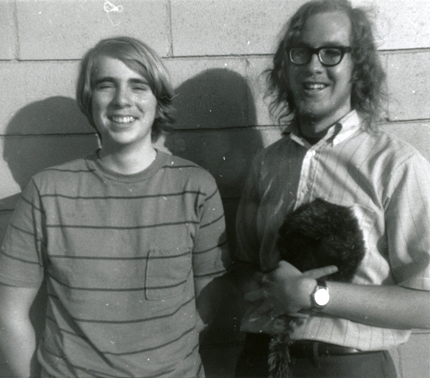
[140, 58]
[369, 92]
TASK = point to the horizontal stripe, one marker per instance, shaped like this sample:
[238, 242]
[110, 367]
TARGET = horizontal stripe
[181, 166]
[223, 244]
[144, 350]
[152, 348]
[116, 289]
[70, 170]
[219, 272]
[19, 259]
[212, 195]
[104, 198]
[22, 230]
[74, 334]
[214, 221]
[144, 320]
[68, 257]
[86, 370]
[120, 376]
[32, 205]
[124, 227]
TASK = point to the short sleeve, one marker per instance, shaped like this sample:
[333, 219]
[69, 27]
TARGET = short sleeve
[210, 253]
[21, 255]
[408, 223]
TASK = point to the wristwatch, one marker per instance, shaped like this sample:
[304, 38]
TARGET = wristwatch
[320, 296]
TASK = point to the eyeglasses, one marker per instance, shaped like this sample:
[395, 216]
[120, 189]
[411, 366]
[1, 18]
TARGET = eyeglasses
[328, 56]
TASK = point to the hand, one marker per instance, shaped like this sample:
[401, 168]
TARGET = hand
[286, 290]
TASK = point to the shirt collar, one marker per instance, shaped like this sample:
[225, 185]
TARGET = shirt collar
[337, 133]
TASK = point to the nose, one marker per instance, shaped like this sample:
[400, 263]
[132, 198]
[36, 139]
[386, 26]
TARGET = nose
[122, 97]
[314, 64]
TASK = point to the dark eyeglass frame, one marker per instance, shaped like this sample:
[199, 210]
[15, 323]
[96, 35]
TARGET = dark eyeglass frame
[343, 50]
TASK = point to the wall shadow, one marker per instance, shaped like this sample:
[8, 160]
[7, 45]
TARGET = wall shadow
[215, 112]
[43, 134]
[39, 135]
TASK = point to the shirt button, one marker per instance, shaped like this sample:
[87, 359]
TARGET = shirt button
[314, 153]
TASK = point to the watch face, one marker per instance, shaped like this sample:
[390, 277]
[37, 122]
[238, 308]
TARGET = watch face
[321, 297]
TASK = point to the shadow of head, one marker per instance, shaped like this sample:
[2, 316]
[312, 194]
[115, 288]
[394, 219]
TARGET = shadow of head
[214, 111]
[46, 133]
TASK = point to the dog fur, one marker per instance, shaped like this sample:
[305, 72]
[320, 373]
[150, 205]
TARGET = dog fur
[315, 235]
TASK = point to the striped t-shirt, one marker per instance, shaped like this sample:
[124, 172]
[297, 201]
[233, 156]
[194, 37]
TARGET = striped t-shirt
[121, 255]
[384, 179]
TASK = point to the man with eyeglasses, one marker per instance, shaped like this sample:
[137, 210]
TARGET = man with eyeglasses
[329, 88]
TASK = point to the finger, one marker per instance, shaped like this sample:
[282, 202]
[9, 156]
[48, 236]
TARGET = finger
[258, 277]
[299, 315]
[256, 295]
[265, 308]
[321, 272]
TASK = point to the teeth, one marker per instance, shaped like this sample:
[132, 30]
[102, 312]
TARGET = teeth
[122, 119]
[314, 86]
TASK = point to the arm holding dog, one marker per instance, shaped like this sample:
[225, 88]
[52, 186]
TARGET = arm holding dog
[403, 301]
[287, 290]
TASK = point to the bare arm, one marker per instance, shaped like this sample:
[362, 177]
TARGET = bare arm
[17, 338]
[381, 306]
[287, 290]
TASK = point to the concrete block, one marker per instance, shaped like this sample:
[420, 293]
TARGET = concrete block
[257, 80]
[223, 27]
[25, 156]
[211, 93]
[66, 29]
[8, 37]
[226, 154]
[400, 24]
[408, 76]
[415, 133]
[38, 98]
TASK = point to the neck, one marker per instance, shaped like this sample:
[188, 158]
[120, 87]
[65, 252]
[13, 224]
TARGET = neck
[315, 129]
[311, 129]
[127, 162]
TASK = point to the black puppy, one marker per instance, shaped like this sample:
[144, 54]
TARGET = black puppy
[315, 235]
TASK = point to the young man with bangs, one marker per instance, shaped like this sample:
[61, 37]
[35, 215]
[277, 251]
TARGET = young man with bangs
[126, 239]
[327, 76]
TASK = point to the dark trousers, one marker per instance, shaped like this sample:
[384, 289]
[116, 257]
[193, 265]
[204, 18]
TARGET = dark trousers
[253, 362]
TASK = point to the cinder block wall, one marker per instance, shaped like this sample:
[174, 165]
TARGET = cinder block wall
[216, 51]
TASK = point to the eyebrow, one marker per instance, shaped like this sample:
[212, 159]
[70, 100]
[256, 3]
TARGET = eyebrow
[325, 44]
[110, 79]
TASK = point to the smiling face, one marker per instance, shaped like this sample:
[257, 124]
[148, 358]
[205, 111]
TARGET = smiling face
[123, 105]
[321, 93]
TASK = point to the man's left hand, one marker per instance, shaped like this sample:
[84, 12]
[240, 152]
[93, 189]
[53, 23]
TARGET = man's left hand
[286, 290]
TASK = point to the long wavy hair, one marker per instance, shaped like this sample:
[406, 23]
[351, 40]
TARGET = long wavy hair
[140, 58]
[369, 93]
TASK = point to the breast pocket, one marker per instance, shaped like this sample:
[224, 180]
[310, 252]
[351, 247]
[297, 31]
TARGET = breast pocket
[167, 273]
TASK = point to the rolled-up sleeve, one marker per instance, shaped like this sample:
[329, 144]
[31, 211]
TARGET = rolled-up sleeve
[408, 223]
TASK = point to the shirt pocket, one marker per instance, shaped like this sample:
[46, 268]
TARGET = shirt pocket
[167, 273]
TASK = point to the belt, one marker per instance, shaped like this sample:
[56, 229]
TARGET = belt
[313, 350]
[299, 348]
[257, 346]
[308, 348]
